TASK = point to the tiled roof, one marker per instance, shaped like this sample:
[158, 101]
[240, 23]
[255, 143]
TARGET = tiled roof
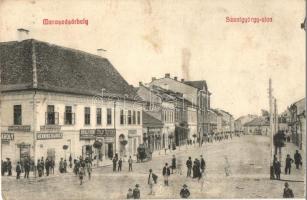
[59, 69]
[260, 121]
[150, 121]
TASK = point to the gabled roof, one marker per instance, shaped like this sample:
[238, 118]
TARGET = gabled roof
[59, 69]
[150, 121]
[260, 121]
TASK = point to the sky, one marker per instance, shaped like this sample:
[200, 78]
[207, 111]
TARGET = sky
[186, 38]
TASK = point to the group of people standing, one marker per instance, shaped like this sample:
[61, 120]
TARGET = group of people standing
[81, 167]
[118, 163]
[47, 165]
[288, 164]
[198, 167]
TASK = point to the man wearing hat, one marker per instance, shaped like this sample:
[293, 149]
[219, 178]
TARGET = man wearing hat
[130, 194]
[151, 182]
[136, 192]
[288, 193]
[184, 193]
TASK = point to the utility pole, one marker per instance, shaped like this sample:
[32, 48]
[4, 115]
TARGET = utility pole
[271, 129]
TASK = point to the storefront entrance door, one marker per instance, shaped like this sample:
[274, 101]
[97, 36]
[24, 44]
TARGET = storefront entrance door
[110, 150]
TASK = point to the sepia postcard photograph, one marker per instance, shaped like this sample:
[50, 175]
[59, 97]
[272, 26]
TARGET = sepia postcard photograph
[152, 99]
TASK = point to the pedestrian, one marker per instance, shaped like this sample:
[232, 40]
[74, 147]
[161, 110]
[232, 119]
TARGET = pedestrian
[52, 165]
[289, 161]
[130, 164]
[76, 167]
[227, 167]
[3, 167]
[202, 164]
[89, 169]
[81, 174]
[120, 162]
[195, 170]
[65, 166]
[61, 166]
[277, 169]
[173, 164]
[297, 159]
[27, 168]
[136, 192]
[18, 170]
[43, 165]
[189, 167]
[166, 173]
[114, 163]
[9, 167]
[130, 194]
[288, 193]
[39, 168]
[152, 179]
[47, 166]
[70, 161]
[184, 192]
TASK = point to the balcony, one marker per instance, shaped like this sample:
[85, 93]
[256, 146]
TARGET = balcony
[51, 118]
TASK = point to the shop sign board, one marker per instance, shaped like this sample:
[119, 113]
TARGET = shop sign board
[49, 135]
[20, 128]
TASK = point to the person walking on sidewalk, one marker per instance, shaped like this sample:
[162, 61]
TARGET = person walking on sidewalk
[297, 159]
[130, 164]
[65, 166]
[173, 164]
[166, 173]
[81, 174]
[288, 193]
[27, 168]
[289, 161]
[9, 167]
[47, 166]
[189, 167]
[120, 163]
[152, 179]
[89, 169]
[277, 170]
[202, 164]
[52, 165]
[18, 170]
[114, 163]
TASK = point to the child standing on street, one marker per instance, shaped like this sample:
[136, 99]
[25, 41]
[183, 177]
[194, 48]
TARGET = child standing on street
[81, 174]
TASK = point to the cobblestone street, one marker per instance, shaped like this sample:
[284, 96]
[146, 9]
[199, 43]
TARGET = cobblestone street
[249, 162]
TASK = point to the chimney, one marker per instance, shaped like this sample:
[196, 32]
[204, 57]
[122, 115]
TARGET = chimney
[101, 52]
[167, 75]
[153, 78]
[22, 34]
[182, 80]
[175, 78]
[140, 83]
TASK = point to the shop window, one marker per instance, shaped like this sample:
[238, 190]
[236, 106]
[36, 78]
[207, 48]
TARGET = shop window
[98, 116]
[17, 115]
[51, 116]
[109, 116]
[87, 115]
[69, 116]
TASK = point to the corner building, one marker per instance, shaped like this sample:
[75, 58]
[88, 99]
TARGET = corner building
[56, 102]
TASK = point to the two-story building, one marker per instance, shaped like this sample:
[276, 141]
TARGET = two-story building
[57, 102]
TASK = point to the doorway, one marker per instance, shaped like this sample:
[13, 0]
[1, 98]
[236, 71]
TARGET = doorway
[110, 150]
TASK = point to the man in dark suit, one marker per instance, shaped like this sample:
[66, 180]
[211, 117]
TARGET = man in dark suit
[189, 166]
[166, 173]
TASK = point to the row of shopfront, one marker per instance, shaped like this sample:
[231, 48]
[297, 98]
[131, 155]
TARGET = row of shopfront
[54, 143]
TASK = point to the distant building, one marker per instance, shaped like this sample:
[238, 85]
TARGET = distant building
[258, 126]
[242, 120]
[196, 94]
